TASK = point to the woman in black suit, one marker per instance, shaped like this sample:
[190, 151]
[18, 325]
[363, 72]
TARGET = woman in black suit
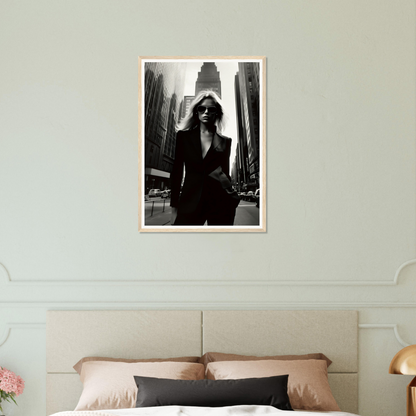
[206, 195]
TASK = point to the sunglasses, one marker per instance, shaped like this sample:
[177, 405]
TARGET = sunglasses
[202, 109]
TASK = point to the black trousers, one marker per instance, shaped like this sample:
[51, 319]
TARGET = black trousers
[214, 211]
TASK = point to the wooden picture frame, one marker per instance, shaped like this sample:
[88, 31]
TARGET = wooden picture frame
[168, 88]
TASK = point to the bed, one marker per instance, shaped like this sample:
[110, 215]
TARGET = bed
[72, 335]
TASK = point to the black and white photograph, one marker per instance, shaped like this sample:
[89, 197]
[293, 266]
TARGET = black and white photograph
[202, 144]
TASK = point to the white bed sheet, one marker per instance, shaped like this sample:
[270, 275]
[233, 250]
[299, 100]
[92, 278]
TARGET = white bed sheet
[201, 411]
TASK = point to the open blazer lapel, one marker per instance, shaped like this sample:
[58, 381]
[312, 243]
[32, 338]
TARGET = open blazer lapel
[218, 145]
[196, 142]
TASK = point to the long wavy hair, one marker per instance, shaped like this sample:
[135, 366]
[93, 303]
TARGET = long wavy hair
[191, 120]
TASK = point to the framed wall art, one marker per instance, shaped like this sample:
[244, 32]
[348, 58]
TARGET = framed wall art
[202, 144]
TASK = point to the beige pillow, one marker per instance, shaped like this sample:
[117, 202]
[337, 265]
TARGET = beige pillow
[78, 366]
[111, 385]
[308, 386]
[210, 357]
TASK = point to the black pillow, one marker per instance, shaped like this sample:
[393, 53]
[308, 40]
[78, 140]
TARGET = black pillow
[213, 393]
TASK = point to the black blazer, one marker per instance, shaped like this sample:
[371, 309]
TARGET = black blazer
[189, 153]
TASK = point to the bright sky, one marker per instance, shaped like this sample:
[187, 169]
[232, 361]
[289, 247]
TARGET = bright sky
[227, 69]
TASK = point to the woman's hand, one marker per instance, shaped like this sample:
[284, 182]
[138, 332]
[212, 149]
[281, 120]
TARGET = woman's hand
[173, 215]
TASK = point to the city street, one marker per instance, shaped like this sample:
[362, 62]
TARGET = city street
[157, 212]
[247, 214]
[157, 209]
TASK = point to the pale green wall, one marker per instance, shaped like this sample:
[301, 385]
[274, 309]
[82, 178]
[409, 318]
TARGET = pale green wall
[340, 171]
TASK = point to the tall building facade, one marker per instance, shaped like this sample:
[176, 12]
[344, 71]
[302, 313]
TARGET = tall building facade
[163, 95]
[186, 104]
[247, 96]
[208, 79]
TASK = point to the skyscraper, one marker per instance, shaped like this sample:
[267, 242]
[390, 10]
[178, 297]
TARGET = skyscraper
[163, 93]
[186, 104]
[208, 79]
[247, 94]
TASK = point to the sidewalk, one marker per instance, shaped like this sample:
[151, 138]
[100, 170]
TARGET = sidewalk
[163, 218]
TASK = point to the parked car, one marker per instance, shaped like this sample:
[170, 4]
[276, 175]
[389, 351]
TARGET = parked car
[155, 193]
[166, 193]
[250, 196]
[257, 197]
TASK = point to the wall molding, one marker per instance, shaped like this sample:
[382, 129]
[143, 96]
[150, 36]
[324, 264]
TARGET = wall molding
[39, 325]
[22, 325]
[5, 277]
[202, 305]
[386, 326]
[4, 274]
